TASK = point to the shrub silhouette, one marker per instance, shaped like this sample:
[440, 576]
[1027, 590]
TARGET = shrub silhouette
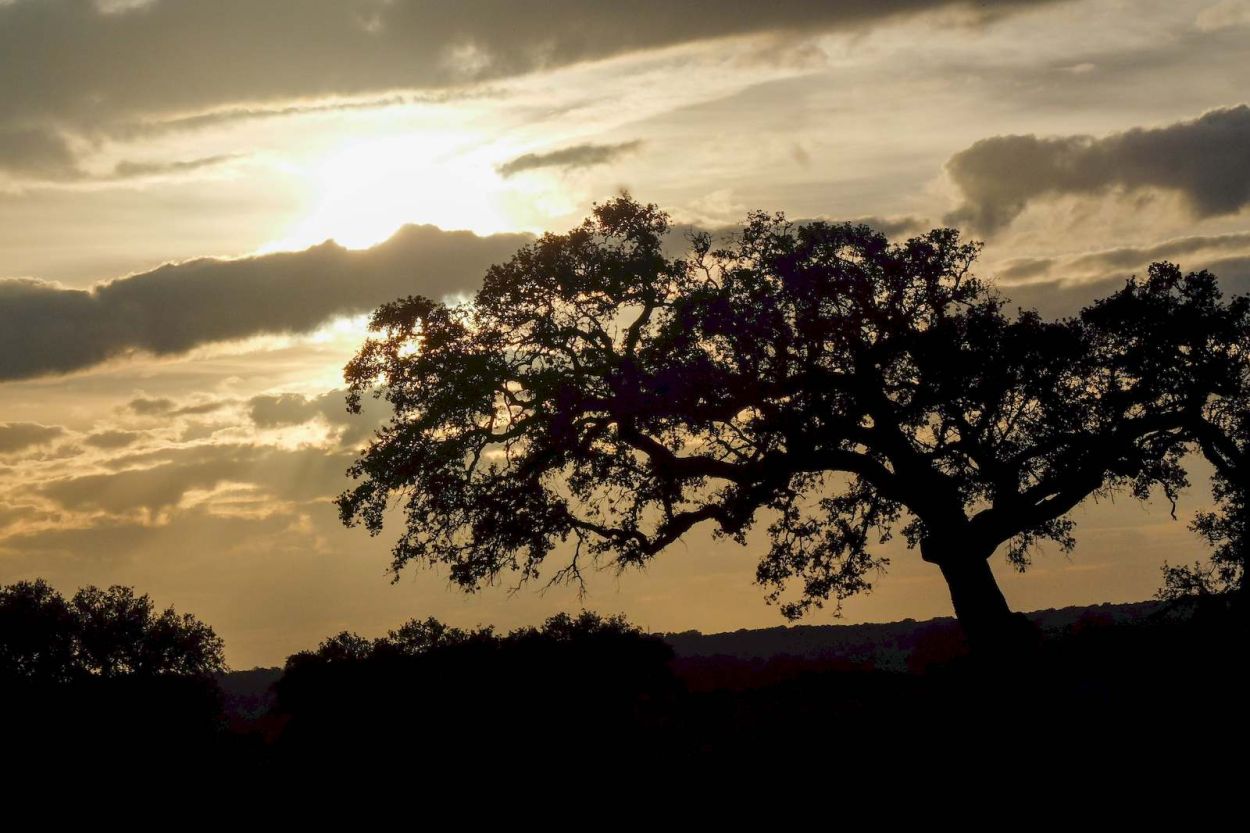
[575, 683]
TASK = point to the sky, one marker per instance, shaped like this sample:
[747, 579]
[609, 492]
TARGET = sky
[200, 203]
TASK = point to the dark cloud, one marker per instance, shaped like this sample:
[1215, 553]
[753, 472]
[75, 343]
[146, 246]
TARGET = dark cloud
[284, 409]
[43, 155]
[1200, 251]
[577, 156]
[276, 411]
[36, 153]
[44, 550]
[16, 513]
[133, 170]
[168, 407]
[46, 328]
[201, 408]
[1234, 274]
[112, 439]
[1129, 257]
[65, 61]
[1057, 298]
[152, 489]
[305, 474]
[1206, 161]
[146, 407]
[230, 115]
[1061, 286]
[894, 226]
[17, 436]
[1199, 70]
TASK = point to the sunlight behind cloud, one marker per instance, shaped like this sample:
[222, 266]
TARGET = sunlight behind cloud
[368, 189]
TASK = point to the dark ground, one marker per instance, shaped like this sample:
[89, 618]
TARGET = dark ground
[1113, 690]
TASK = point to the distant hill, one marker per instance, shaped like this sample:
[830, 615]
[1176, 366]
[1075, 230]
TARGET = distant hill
[763, 655]
[885, 645]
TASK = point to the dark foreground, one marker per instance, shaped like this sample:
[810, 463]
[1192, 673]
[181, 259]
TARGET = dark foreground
[1163, 691]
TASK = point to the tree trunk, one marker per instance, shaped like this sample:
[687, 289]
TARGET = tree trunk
[992, 630]
[1242, 545]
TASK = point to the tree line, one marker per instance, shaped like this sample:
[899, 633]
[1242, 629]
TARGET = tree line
[592, 690]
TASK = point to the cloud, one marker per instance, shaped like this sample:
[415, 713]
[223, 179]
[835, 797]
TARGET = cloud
[303, 474]
[39, 154]
[1059, 286]
[36, 153]
[1085, 265]
[286, 409]
[1132, 257]
[112, 439]
[152, 489]
[577, 156]
[283, 409]
[46, 328]
[17, 436]
[1058, 298]
[131, 170]
[201, 408]
[65, 61]
[1223, 15]
[230, 115]
[893, 227]
[149, 407]
[1206, 161]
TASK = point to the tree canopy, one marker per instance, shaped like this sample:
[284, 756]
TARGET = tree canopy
[580, 681]
[1169, 329]
[111, 633]
[600, 396]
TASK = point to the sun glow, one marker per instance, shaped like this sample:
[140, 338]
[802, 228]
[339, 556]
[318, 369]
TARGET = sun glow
[368, 189]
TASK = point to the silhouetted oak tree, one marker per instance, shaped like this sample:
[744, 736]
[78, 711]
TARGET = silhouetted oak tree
[600, 395]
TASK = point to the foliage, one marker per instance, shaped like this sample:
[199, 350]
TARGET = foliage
[422, 637]
[98, 634]
[599, 396]
[38, 633]
[577, 680]
[1170, 329]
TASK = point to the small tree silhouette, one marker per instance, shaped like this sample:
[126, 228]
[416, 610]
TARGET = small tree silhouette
[599, 395]
[105, 673]
[98, 634]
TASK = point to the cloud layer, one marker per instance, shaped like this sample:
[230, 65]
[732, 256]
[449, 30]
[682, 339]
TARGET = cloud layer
[46, 329]
[1206, 161]
[67, 61]
[42, 154]
[1061, 285]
